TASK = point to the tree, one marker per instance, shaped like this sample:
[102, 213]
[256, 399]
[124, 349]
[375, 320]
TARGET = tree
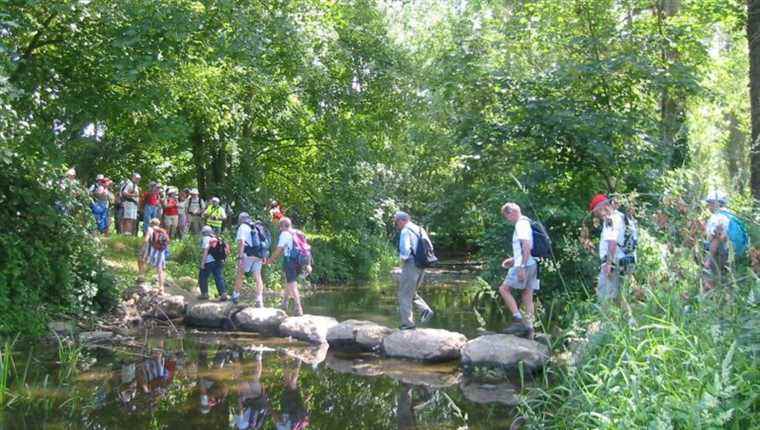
[753, 39]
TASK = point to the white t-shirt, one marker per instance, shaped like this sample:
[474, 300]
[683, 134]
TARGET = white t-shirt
[716, 220]
[408, 240]
[244, 234]
[206, 244]
[285, 242]
[522, 232]
[613, 230]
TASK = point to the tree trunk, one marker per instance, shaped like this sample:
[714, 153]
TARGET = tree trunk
[199, 160]
[672, 104]
[753, 38]
[736, 154]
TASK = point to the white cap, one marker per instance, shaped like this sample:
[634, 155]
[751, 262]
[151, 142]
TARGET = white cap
[717, 196]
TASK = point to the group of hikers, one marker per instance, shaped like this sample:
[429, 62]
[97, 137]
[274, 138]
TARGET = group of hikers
[186, 211]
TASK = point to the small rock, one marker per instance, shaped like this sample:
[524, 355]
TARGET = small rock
[260, 320]
[357, 334]
[309, 328]
[95, 336]
[504, 351]
[503, 393]
[187, 283]
[62, 328]
[207, 314]
[425, 344]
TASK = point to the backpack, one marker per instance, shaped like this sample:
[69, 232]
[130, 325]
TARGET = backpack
[737, 233]
[220, 251]
[424, 256]
[630, 237]
[261, 241]
[542, 243]
[159, 239]
[301, 252]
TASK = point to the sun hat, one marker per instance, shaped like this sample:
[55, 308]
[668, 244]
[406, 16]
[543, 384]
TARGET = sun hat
[596, 201]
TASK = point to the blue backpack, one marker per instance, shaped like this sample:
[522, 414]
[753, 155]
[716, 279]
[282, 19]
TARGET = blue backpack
[261, 241]
[737, 233]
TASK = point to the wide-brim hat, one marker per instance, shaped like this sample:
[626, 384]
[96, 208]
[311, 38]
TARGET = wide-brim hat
[194, 191]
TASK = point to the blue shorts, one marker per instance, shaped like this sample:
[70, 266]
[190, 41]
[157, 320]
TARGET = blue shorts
[291, 270]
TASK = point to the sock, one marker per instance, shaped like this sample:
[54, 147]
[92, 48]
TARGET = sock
[518, 315]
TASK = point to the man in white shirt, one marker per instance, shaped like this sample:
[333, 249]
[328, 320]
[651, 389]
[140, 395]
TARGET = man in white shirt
[130, 197]
[610, 246]
[716, 244]
[247, 264]
[289, 266]
[523, 271]
[411, 275]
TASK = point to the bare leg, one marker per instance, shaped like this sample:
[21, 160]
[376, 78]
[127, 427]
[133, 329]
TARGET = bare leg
[293, 289]
[161, 276]
[239, 277]
[509, 301]
[527, 299]
[259, 284]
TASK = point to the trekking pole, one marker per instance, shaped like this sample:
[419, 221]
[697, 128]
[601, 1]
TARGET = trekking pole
[551, 249]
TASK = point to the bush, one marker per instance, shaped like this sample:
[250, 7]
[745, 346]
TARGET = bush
[50, 263]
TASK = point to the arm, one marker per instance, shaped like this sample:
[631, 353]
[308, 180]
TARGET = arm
[526, 247]
[275, 255]
[203, 258]
[241, 249]
[611, 252]
[404, 246]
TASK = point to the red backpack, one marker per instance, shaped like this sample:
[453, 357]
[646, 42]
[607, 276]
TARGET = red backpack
[159, 239]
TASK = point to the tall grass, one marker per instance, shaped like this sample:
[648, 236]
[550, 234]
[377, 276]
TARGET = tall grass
[6, 371]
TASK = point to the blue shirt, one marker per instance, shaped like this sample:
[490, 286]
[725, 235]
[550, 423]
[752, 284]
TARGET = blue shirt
[407, 242]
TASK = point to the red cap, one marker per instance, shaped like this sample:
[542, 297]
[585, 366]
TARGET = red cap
[596, 201]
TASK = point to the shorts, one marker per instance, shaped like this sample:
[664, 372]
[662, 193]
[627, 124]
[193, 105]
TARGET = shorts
[250, 264]
[531, 278]
[291, 270]
[157, 258]
[130, 210]
[171, 221]
[609, 286]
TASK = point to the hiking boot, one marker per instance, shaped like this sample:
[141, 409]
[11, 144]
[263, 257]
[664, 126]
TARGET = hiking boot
[517, 328]
[235, 298]
[407, 327]
[223, 297]
[426, 315]
[203, 297]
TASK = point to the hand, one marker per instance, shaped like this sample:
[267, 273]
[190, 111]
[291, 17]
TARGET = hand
[508, 263]
[521, 274]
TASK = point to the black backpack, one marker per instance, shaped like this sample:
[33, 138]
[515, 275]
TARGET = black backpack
[542, 243]
[424, 256]
[261, 241]
[220, 251]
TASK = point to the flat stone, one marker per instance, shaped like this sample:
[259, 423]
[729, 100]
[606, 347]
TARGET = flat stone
[357, 334]
[62, 328]
[429, 375]
[504, 393]
[311, 355]
[425, 344]
[170, 307]
[309, 328]
[207, 314]
[504, 351]
[95, 336]
[259, 320]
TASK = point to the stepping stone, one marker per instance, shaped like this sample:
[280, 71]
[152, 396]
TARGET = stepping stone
[259, 320]
[309, 328]
[170, 307]
[504, 351]
[208, 314]
[427, 344]
[504, 393]
[358, 335]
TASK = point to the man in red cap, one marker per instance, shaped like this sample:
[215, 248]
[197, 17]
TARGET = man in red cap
[610, 246]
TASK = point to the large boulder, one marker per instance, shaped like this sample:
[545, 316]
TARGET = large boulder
[260, 320]
[504, 351]
[309, 328]
[169, 307]
[425, 344]
[357, 334]
[207, 314]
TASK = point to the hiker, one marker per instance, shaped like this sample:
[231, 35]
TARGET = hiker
[276, 211]
[212, 263]
[411, 275]
[523, 271]
[215, 215]
[612, 246]
[171, 213]
[101, 197]
[294, 415]
[156, 250]
[250, 258]
[716, 243]
[151, 204]
[130, 194]
[182, 202]
[253, 401]
[195, 208]
[289, 245]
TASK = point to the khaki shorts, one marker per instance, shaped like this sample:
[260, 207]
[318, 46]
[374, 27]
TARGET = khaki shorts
[171, 221]
[531, 278]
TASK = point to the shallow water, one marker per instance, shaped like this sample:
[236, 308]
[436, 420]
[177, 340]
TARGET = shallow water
[213, 381]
